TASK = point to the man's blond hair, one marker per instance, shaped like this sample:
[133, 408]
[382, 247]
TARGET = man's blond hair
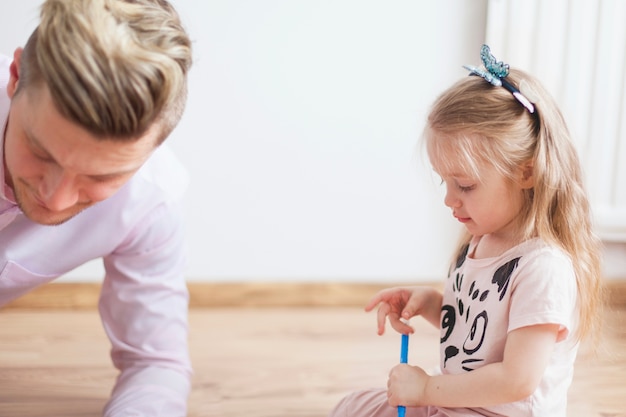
[115, 67]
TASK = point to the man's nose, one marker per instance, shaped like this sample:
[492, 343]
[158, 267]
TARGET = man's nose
[59, 191]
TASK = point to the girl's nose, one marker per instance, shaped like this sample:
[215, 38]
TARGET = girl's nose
[451, 200]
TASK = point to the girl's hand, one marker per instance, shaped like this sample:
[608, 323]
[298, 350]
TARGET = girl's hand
[406, 386]
[405, 302]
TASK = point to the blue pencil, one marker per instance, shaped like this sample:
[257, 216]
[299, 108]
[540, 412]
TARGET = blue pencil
[404, 356]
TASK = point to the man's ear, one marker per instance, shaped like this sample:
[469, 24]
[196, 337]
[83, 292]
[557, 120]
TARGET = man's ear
[527, 177]
[14, 73]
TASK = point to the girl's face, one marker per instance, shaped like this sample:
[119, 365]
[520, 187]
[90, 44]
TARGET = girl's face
[488, 205]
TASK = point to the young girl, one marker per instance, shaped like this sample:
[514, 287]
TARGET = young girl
[524, 287]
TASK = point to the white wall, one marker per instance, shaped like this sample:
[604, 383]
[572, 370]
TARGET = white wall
[577, 49]
[300, 135]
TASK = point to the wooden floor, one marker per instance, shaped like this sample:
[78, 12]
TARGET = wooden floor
[255, 362]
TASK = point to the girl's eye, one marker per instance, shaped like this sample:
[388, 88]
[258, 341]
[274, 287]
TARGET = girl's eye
[467, 188]
[460, 187]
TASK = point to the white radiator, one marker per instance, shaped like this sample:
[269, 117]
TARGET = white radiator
[577, 48]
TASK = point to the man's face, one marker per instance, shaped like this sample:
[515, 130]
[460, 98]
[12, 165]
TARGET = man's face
[56, 168]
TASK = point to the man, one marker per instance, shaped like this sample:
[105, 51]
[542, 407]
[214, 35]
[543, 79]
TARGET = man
[84, 107]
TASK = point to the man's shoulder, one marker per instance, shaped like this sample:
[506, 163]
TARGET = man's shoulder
[163, 175]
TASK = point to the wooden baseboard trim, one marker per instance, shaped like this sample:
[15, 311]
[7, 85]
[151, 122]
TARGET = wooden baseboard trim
[211, 295]
[616, 293]
[59, 295]
[281, 294]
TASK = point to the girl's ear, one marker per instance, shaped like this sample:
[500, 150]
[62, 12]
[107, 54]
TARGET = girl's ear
[527, 178]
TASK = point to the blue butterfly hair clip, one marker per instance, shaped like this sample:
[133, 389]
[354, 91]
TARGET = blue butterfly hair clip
[495, 73]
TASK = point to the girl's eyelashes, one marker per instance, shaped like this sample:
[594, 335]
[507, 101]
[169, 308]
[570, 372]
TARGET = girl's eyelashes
[465, 188]
[462, 187]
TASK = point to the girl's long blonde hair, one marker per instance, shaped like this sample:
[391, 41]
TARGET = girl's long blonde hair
[477, 123]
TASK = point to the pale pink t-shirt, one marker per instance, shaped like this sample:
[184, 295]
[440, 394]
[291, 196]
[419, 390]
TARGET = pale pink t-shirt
[485, 299]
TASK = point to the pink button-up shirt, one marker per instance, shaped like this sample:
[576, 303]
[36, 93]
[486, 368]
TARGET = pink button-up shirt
[138, 233]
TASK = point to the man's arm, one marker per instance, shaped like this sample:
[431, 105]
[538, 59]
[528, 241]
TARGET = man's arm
[144, 305]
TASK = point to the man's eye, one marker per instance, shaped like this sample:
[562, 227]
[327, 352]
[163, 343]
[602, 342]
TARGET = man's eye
[106, 179]
[43, 158]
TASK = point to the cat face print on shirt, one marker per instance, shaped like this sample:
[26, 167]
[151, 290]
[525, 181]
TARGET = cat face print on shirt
[465, 320]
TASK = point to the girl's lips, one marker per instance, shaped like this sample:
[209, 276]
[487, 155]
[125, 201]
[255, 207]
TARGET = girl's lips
[463, 219]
